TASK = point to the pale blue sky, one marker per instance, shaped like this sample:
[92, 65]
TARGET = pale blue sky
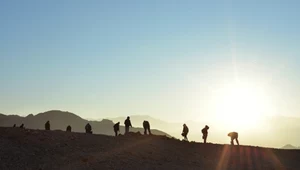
[162, 58]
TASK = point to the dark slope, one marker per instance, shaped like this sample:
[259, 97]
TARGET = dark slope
[37, 149]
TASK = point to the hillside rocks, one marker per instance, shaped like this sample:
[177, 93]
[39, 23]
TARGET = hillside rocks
[47, 150]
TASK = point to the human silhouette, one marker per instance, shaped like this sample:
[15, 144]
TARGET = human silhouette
[146, 126]
[127, 124]
[88, 128]
[234, 136]
[14, 125]
[22, 126]
[69, 128]
[205, 133]
[185, 132]
[47, 125]
[117, 128]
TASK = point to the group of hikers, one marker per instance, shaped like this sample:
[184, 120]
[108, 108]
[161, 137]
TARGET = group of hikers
[233, 135]
[185, 131]
[127, 123]
[204, 131]
[147, 130]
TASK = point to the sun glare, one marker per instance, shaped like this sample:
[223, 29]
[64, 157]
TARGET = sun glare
[241, 106]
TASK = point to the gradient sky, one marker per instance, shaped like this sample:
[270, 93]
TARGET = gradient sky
[161, 58]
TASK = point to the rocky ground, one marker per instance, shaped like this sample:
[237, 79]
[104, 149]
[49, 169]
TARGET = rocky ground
[37, 149]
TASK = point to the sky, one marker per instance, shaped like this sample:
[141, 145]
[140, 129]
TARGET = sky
[173, 60]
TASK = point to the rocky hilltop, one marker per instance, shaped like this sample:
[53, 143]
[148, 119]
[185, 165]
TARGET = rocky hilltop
[47, 150]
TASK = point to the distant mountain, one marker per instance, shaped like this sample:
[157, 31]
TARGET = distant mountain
[289, 146]
[59, 120]
[137, 120]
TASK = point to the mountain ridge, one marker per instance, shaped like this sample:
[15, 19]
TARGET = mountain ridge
[290, 147]
[271, 134]
[59, 120]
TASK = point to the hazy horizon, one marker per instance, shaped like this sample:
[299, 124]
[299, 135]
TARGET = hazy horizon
[124, 116]
[267, 134]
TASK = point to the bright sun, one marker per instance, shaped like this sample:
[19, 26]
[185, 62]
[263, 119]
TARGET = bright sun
[241, 106]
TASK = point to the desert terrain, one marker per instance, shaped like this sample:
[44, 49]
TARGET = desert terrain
[44, 150]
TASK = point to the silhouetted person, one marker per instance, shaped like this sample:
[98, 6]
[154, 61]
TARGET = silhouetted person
[88, 128]
[22, 126]
[14, 125]
[127, 124]
[69, 128]
[117, 128]
[146, 126]
[205, 133]
[234, 136]
[185, 131]
[47, 125]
